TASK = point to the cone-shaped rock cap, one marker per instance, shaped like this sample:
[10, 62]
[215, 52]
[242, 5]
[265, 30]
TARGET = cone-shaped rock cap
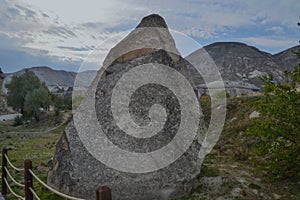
[151, 34]
[153, 20]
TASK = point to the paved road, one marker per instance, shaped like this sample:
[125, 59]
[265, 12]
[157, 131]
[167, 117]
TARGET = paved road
[8, 117]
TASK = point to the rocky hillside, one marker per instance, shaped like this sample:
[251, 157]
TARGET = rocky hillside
[48, 75]
[239, 62]
[287, 59]
[240, 66]
[231, 170]
[55, 77]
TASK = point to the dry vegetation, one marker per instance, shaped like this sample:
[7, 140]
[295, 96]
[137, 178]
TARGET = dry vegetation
[230, 171]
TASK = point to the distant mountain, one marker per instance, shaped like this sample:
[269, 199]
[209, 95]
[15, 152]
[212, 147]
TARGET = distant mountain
[240, 66]
[55, 77]
[238, 62]
[49, 76]
[287, 59]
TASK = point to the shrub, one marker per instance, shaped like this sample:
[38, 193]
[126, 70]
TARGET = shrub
[18, 121]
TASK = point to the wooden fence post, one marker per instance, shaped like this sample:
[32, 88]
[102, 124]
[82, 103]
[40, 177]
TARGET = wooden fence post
[103, 193]
[28, 180]
[4, 174]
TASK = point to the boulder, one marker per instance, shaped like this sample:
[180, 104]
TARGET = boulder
[132, 166]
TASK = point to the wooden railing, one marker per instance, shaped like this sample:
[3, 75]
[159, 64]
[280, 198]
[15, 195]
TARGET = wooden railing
[102, 193]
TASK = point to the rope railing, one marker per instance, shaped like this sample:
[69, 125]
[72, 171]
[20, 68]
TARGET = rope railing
[9, 188]
[102, 193]
[34, 194]
[13, 180]
[51, 189]
[12, 166]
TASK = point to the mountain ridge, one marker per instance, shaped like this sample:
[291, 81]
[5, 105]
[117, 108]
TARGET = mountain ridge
[242, 63]
[238, 62]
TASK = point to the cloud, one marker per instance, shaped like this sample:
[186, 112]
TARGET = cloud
[202, 33]
[34, 32]
[269, 42]
[60, 31]
[74, 48]
[278, 30]
[28, 13]
[69, 30]
[15, 60]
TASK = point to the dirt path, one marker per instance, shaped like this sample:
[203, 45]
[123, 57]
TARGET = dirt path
[9, 116]
[65, 118]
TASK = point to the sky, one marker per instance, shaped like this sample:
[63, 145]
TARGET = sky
[62, 34]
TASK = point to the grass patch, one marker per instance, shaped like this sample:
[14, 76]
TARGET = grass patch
[230, 158]
[36, 142]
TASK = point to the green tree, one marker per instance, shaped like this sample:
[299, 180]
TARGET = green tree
[28, 95]
[278, 127]
[31, 105]
[62, 102]
[43, 96]
[19, 87]
[35, 100]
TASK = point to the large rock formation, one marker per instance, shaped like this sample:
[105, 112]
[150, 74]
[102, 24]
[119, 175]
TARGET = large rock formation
[78, 170]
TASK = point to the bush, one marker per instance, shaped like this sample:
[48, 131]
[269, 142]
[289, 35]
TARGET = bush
[18, 121]
[56, 111]
[62, 102]
[278, 128]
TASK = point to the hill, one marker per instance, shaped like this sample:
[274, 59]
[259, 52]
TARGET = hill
[54, 78]
[241, 64]
[287, 59]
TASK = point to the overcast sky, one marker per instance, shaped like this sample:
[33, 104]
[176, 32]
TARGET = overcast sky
[62, 33]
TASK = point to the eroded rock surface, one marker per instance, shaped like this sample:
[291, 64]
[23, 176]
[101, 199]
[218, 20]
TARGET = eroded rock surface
[74, 170]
